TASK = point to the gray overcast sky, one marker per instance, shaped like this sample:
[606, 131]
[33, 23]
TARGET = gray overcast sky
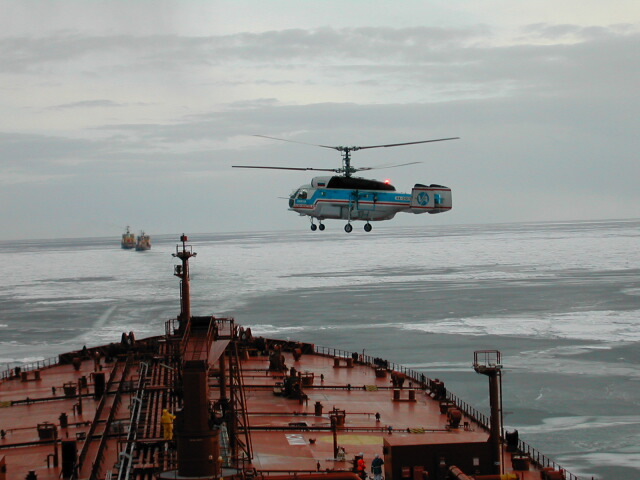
[120, 113]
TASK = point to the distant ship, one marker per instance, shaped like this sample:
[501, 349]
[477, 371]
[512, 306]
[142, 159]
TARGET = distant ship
[128, 240]
[144, 242]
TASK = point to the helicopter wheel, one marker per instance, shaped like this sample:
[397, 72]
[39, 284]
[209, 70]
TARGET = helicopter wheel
[367, 227]
[321, 227]
[348, 228]
[313, 227]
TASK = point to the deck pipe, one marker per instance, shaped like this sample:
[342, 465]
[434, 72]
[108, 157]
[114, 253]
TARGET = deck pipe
[495, 399]
[457, 474]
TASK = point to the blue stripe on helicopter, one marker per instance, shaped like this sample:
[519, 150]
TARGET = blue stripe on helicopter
[346, 196]
[347, 202]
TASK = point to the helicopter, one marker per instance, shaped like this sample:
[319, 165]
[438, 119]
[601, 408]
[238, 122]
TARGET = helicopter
[345, 197]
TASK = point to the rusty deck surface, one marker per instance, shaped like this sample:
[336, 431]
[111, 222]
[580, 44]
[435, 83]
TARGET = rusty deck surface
[31, 407]
[284, 435]
[291, 435]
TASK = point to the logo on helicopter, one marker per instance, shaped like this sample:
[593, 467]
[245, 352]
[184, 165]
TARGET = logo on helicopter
[422, 198]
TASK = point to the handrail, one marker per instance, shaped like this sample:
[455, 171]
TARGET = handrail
[236, 376]
[9, 372]
[542, 460]
[98, 413]
[470, 411]
[185, 340]
[114, 408]
[126, 456]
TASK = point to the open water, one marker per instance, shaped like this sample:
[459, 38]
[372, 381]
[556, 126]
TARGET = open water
[561, 301]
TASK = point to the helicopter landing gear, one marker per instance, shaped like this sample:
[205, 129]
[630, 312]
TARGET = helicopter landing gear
[348, 228]
[367, 227]
[314, 227]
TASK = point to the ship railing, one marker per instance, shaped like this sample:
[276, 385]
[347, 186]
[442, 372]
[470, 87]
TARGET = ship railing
[226, 327]
[170, 327]
[537, 458]
[418, 378]
[542, 460]
[10, 371]
[331, 352]
[470, 411]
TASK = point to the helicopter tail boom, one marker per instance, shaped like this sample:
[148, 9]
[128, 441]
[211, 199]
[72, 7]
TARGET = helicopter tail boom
[430, 199]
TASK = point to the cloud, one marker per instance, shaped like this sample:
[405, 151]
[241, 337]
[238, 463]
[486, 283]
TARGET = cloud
[87, 104]
[27, 53]
[407, 64]
[287, 48]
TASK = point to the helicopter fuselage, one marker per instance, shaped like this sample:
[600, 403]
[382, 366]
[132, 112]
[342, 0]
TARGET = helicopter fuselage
[350, 198]
[353, 198]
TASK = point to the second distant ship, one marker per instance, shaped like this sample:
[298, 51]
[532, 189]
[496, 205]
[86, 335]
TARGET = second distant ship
[143, 242]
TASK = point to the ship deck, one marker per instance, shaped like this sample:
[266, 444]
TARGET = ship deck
[344, 406]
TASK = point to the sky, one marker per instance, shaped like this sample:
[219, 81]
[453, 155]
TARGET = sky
[119, 113]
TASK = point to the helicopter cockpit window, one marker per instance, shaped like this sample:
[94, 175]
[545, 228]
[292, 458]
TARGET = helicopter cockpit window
[302, 194]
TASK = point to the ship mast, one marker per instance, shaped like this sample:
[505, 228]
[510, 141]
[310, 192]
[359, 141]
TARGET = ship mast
[182, 272]
[197, 439]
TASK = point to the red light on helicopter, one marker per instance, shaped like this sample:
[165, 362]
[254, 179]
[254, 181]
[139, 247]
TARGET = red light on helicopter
[387, 181]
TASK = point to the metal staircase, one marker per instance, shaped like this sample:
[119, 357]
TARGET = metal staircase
[240, 438]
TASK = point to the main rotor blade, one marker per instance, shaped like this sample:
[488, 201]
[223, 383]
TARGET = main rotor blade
[343, 149]
[408, 143]
[380, 167]
[292, 141]
[285, 168]
[340, 149]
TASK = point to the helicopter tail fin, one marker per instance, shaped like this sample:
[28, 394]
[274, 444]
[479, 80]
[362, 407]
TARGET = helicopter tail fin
[431, 199]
